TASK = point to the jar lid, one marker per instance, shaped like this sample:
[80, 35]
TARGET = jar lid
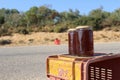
[83, 27]
[72, 29]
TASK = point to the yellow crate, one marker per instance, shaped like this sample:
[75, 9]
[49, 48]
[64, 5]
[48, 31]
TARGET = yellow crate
[65, 67]
[97, 67]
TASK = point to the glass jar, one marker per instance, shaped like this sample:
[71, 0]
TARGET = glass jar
[72, 41]
[84, 41]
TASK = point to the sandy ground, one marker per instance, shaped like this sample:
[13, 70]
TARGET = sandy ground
[42, 38]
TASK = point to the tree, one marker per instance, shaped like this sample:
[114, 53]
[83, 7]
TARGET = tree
[12, 11]
[2, 20]
[31, 16]
[115, 16]
[98, 16]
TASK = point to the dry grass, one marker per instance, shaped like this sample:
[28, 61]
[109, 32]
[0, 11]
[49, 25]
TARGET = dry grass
[106, 36]
[43, 38]
[40, 38]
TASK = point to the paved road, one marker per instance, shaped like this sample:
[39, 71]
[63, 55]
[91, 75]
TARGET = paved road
[28, 63]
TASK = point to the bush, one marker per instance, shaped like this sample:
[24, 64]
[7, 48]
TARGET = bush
[5, 42]
[23, 31]
[47, 29]
[59, 29]
[5, 32]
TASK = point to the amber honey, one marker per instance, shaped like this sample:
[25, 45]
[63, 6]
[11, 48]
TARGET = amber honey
[72, 41]
[84, 41]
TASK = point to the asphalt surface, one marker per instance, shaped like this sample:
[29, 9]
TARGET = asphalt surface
[28, 63]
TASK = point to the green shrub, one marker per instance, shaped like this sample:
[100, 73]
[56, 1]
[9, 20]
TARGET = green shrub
[5, 32]
[23, 31]
[59, 29]
[47, 29]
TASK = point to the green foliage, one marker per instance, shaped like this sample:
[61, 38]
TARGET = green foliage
[49, 20]
[59, 29]
[98, 16]
[5, 32]
[1, 20]
[23, 31]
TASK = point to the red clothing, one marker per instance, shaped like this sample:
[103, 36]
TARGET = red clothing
[57, 41]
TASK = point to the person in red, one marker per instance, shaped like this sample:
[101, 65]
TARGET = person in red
[57, 41]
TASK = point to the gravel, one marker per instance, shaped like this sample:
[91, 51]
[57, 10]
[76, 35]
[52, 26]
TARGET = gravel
[28, 63]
